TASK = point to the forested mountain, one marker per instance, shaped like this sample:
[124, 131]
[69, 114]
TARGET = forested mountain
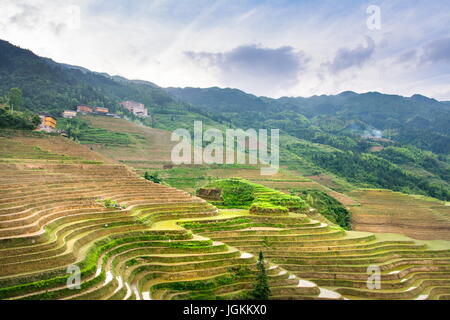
[417, 120]
[51, 87]
[370, 139]
[377, 140]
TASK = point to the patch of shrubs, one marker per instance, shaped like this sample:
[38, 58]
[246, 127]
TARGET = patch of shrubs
[268, 208]
[111, 204]
[153, 177]
[240, 193]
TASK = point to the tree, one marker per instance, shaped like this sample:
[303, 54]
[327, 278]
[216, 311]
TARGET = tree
[24, 120]
[15, 98]
[154, 177]
[72, 127]
[261, 290]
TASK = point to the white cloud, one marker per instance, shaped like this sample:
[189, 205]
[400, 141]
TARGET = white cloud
[346, 58]
[261, 70]
[147, 40]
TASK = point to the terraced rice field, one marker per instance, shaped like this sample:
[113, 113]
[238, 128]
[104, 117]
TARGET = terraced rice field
[53, 219]
[150, 152]
[387, 211]
[154, 152]
[163, 243]
[336, 260]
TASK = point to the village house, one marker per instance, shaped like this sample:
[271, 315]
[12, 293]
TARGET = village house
[101, 110]
[84, 109]
[136, 108]
[48, 123]
[69, 114]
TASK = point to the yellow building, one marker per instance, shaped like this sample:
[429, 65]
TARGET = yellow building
[48, 123]
[101, 110]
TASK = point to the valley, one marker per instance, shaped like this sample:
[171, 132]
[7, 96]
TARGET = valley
[363, 184]
[164, 243]
[372, 210]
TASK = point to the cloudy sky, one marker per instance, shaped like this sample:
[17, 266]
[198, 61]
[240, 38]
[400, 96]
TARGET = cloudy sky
[271, 48]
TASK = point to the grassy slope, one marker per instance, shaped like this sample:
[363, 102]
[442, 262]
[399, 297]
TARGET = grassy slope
[151, 150]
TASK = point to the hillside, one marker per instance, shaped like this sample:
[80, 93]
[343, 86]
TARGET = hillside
[335, 136]
[148, 149]
[112, 224]
[347, 132]
[324, 139]
[144, 146]
[394, 212]
[369, 114]
[63, 204]
[52, 87]
[151, 152]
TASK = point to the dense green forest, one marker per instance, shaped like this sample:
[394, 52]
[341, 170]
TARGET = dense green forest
[370, 170]
[327, 206]
[417, 120]
[12, 115]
